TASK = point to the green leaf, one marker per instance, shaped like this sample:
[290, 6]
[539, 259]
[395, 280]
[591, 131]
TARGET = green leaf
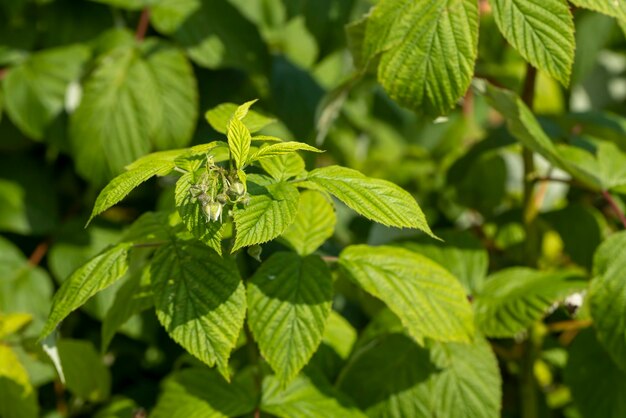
[314, 223]
[239, 140]
[17, 397]
[23, 287]
[394, 377]
[123, 184]
[214, 33]
[174, 78]
[271, 210]
[219, 116]
[306, 396]
[597, 385]
[428, 50]
[97, 274]
[607, 297]
[134, 297]
[429, 301]
[204, 393]
[190, 210]
[137, 98]
[513, 299]
[281, 149]
[283, 167]
[378, 200]
[612, 8]
[35, 89]
[86, 376]
[542, 32]
[461, 253]
[13, 322]
[199, 299]
[289, 300]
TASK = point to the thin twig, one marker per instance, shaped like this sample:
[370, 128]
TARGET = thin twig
[607, 196]
[330, 258]
[3, 72]
[569, 325]
[39, 253]
[142, 26]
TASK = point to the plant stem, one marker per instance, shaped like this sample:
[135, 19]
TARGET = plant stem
[528, 387]
[3, 73]
[39, 253]
[142, 26]
[611, 201]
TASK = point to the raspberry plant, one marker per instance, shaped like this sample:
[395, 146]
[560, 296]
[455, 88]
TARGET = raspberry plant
[272, 271]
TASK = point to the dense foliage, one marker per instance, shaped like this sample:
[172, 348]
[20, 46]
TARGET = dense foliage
[420, 216]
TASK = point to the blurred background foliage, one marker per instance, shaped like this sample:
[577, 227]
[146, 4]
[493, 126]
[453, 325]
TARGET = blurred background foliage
[88, 86]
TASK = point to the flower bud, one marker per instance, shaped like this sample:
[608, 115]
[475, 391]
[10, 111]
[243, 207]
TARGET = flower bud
[237, 188]
[222, 198]
[213, 210]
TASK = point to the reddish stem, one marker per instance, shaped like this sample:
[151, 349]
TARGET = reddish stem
[3, 72]
[142, 26]
[614, 206]
[39, 253]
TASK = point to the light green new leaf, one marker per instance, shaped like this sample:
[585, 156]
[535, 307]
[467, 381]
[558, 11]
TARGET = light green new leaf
[122, 185]
[137, 98]
[607, 297]
[289, 300]
[239, 140]
[242, 110]
[283, 167]
[13, 322]
[35, 89]
[378, 200]
[393, 377]
[541, 30]
[271, 211]
[314, 223]
[134, 297]
[190, 210]
[598, 386]
[429, 301]
[17, 397]
[429, 50]
[97, 274]
[86, 376]
[200, 300]
[614, 8]
[220, 115]
[281, 149]
[306, 396]
[513, 299]
[204, 393]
